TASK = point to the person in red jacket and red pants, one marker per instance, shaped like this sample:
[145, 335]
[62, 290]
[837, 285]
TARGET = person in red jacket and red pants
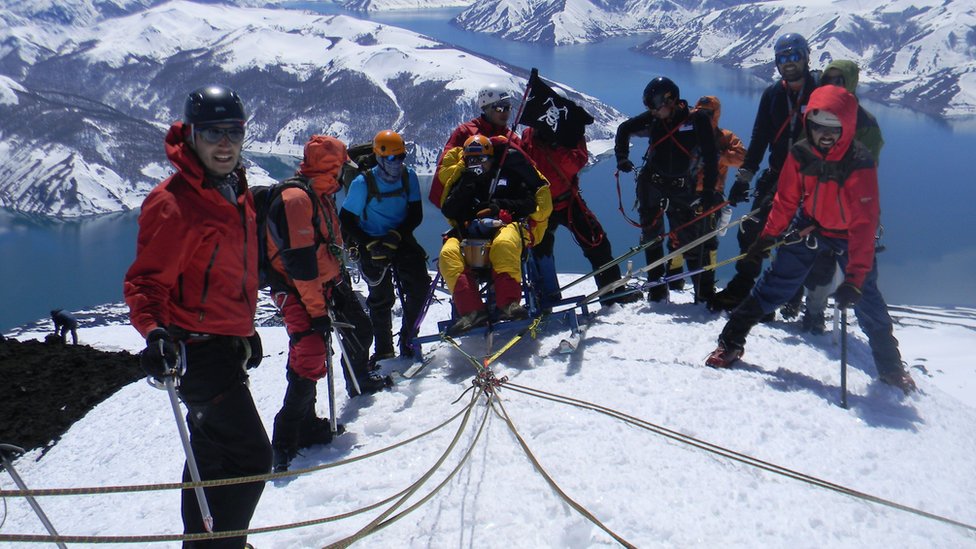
[829, 181]
[192, 291]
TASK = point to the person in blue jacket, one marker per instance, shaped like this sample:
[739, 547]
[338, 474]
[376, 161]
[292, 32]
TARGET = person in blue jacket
[381, 210]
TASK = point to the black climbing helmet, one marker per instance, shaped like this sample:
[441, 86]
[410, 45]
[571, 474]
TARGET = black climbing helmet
[213, 103]
[659, 91]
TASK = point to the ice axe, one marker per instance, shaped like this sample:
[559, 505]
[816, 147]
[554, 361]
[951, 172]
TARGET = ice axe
[843, 357]
[9, 466]
[169, 382]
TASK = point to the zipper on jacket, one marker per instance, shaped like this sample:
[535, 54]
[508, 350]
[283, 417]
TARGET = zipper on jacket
[206, 278]
[242, 208]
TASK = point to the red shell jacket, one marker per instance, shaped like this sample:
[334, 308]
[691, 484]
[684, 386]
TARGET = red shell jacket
[476, 126]
[196, 254]
[839, 190]
[560, 165]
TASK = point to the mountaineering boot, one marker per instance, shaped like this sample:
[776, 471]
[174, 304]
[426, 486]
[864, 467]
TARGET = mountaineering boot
[513, 311]
[735, 291]
[621, 296]
[471, 320]
[374, 382]
[792, 308]
[722, 356]
[678, 283]
[281, 458]
[901, 379]
[658, 294]
[317, 430]
[408, 350]
[814, 323]
[378, 356]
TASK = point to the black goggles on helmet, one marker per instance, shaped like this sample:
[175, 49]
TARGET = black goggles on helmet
[791, 56]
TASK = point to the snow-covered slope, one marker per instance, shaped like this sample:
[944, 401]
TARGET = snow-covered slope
[779, 405]
[84, 109]
[918, 54]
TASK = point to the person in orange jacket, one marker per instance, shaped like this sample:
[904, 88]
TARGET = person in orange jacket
[307, 261]
[829, 181]
[495, 104]
[731, 153]
[191, 293]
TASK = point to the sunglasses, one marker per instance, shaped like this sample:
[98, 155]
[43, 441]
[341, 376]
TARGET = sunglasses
[214, 135]
[836, 80]
[501, 108]
[792, 57]
[392, 157]
[657, 101]
[820, 128]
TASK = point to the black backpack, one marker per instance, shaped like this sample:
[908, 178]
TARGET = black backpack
[264, 198]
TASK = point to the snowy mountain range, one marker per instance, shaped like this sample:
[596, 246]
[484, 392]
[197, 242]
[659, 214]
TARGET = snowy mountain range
[85, 106]
[631, 426]
[919, 54]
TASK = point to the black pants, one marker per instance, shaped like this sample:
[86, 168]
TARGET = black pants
[672, 198]
[410, 262]
[746, 272]
[589, 235]
[227, 437]
[356, 340]
[297, 411]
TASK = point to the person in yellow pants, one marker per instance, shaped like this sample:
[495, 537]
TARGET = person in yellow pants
[495, 196]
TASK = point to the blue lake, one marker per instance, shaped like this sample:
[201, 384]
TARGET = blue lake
[927, 186]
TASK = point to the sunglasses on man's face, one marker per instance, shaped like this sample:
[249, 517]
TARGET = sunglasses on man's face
[476, 160]
[392, 157]
[792, 57]
[820, 128]
[214, 135]
[501, 108]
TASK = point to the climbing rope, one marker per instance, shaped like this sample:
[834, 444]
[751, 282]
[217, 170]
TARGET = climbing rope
[733, 455]
[503, 414]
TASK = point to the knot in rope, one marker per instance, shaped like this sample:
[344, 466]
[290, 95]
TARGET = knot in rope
[487, 382]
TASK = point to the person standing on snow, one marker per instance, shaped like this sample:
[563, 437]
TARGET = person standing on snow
[819, 282]
[495, 104]
[679, 140]
[777, 126]
[486, 200]
[65, 322]
[829, 181]
[305, 245]
[381, 210]
[192, 291]
[731, 152]
[561, 165]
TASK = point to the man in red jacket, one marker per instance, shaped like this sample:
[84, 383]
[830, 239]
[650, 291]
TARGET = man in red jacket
[833, 181]
[192, 291]
[496, 108]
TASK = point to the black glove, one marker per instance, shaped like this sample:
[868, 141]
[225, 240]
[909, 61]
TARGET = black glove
[847, 295]
[740, 189]
[709, 199]
[322, 325]
[759, 249]
[625, 165]
[257, 351]
[158, 359]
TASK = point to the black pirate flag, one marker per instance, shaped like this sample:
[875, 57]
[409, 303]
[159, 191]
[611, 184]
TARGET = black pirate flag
[552, 114]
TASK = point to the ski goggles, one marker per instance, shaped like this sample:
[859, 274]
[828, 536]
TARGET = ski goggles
[827, 130]
[789, 57]
[214, 134]
[394, 157]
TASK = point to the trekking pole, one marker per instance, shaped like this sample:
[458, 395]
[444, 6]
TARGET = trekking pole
[345, 354]
[843, 357]
[423, 311]
[9, 466]
[330, 378]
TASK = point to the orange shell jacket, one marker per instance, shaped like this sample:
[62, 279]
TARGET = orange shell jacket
[196, 253]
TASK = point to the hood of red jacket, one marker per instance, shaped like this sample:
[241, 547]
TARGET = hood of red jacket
[843, 105]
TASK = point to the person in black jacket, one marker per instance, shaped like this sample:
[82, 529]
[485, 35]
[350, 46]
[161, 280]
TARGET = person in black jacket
[487, 201]
[681, 140]
[778, 124]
